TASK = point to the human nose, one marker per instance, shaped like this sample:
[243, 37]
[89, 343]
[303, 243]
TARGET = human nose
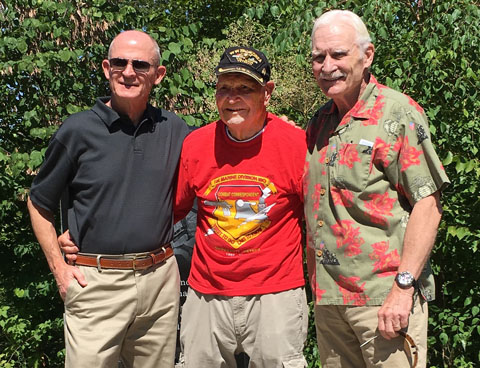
[230, 94]
[328, 64]
[129, 71]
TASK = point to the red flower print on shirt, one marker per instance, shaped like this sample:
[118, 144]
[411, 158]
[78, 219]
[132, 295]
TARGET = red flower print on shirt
[380, 153]
[412, 102]
[323, 155]
[386, 264]
[341, 197]
[375, 113]
[358, 109]
[348, 155]
[319, 293]
[316, 196]
[379, 206]
[312, 272]
[351, 291]
[408, 155]
[398, 144]
[347, 236]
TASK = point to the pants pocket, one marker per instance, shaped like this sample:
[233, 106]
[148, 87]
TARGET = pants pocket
[295, 362]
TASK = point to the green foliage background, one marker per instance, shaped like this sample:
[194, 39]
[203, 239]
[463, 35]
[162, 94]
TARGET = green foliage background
[50, 57]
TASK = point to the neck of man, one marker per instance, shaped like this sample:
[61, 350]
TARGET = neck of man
[243, 133]
[133, 109]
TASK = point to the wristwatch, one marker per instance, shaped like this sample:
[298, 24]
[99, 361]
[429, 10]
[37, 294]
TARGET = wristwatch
[405, 280]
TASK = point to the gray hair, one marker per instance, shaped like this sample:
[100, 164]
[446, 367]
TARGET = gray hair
[156, 49]
[335, 16]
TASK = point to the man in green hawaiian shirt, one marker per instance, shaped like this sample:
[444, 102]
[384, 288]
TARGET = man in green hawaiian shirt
[372, 204]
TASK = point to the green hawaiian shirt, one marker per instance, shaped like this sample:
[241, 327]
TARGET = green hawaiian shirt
[363, 174]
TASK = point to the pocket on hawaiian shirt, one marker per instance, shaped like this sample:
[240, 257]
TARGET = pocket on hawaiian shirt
[351, 168]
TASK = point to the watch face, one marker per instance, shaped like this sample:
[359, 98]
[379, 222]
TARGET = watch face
[405, 279]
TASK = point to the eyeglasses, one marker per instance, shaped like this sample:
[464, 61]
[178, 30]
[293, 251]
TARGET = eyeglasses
[411, 347]
[119, 64]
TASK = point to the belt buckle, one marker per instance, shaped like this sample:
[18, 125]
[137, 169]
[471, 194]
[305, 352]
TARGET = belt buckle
[133, 262]
[164, 252]
[99, 267]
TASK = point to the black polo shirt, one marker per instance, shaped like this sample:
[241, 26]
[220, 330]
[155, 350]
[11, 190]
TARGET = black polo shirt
[119, 177]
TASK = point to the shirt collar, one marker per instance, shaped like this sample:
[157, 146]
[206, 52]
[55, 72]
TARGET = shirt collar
[110, 116]
[363, 108]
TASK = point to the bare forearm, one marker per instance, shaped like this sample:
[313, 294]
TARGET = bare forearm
[418, 243]
[420, 234]
[44, 229]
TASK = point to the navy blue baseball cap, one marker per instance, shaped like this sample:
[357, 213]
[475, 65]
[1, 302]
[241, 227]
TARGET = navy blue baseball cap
[245, 60]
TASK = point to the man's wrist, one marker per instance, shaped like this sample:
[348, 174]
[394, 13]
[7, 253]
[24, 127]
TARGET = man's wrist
[405, 280]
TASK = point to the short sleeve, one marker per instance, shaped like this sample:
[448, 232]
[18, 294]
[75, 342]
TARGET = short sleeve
[53, 177]
[415, 169]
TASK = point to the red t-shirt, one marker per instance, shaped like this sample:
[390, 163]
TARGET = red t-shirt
[250, 208]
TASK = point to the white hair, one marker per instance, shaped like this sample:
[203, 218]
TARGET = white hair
[336, 16]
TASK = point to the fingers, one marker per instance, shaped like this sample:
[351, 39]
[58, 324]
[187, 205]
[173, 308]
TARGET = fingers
[71, 257]
[67, 275]
[288, 121]
[82, 281]
[392, 320]
[388, 327]
[65, 240]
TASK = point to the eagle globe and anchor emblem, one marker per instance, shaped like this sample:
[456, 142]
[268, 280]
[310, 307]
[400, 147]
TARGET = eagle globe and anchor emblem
[240, 210]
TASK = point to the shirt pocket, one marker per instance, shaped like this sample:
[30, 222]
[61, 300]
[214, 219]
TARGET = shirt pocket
[350, 166]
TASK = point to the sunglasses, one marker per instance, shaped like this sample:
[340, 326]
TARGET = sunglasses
[410, 346]
[119, 64]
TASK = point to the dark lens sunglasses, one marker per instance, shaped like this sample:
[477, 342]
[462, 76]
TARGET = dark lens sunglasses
[119, 64]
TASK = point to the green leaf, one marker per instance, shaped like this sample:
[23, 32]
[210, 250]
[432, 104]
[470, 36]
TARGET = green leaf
[36, 159]
[448, 160]
[166, 55]
[174, 48]
[260, 12]
[72, 109]
[443, 338]
[462, 232]
[199, 84]
[65, 55]
[190, 120]
[20, 293]
[475, 310]
[467, 301]
[275, 10]
[22, 46]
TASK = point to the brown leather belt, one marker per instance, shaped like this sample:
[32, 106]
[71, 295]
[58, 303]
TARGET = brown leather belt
[139, 261]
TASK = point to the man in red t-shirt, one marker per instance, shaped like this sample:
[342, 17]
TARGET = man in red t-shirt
[246, 279]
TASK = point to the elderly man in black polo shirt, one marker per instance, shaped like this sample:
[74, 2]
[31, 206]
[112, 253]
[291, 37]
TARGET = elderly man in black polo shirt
[118, 162]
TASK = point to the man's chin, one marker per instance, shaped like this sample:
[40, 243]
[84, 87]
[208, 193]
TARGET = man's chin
[332, 90]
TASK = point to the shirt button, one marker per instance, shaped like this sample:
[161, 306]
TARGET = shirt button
[319, 253]
[320, 223]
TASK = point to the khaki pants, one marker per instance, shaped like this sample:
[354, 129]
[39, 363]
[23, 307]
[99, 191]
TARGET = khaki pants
[123, 315]
[342, 329]
[271, 329]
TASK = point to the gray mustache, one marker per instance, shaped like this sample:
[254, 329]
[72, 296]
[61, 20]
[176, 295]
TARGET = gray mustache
[334, 75]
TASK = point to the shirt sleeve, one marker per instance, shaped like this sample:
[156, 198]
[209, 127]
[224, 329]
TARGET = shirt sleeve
[415, 169]
[53, 177]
